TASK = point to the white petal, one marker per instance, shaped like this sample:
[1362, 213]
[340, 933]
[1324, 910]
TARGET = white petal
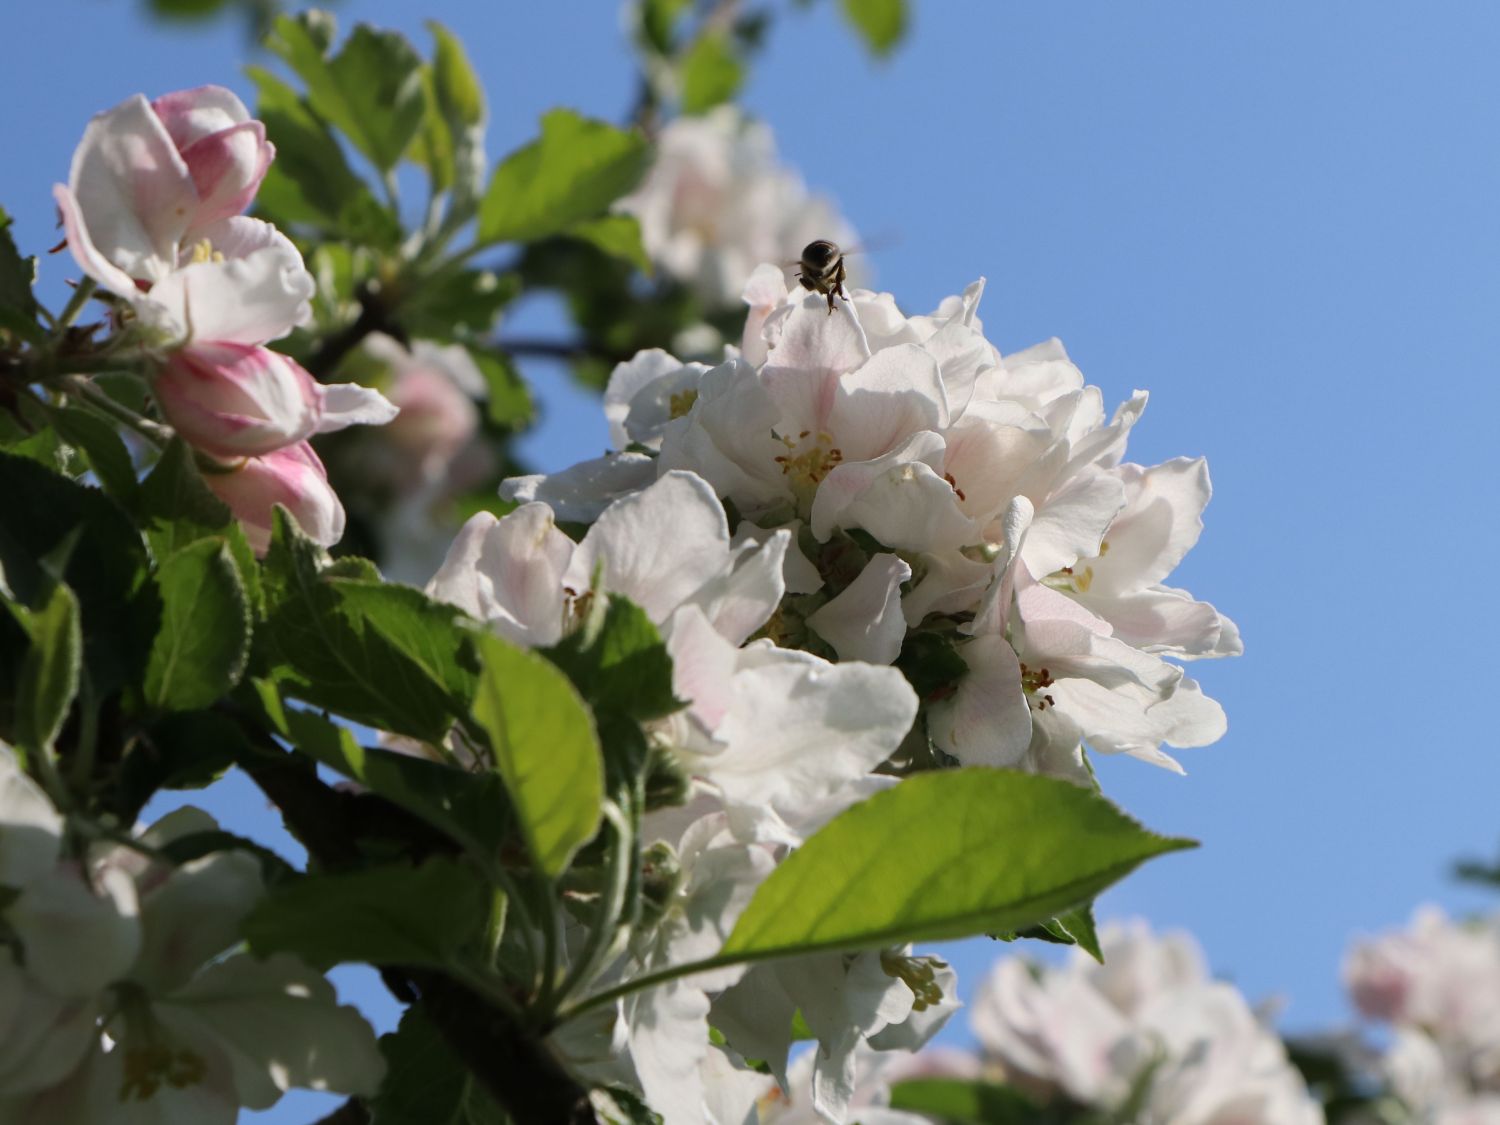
[349, 404]
[30, 828]
[582, 492]
[865, 622]
[987, 720]
[657, 547]
[240, 300]
[280, 1025]
[42, 1038]
[668, 1044]
[898, 498]
[195, 915]
[897, 392]
[1071, 522]
[739, 601]
[76, 941]
[509, 572]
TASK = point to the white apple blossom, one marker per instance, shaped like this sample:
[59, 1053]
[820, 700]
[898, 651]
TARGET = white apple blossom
[1148, 1027]
[776, 733]
[717, 201]
[1437, 983]
[931, 485]
[118, 1001]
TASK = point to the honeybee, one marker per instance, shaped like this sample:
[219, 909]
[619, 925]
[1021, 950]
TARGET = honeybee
[822, 266]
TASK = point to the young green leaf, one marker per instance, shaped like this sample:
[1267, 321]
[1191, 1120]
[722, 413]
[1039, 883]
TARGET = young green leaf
[204, 639]
[509, 403]
[17, 275]
[880, 23]
[944, 855]
[389, 915]
[618, 662]
[49, 671]
[379, 654]
[371, 90]
[545, 748]
[101, 443]
[574, 171]
[460, 95]
[711, 73]
[619, 235]
[426, 1083]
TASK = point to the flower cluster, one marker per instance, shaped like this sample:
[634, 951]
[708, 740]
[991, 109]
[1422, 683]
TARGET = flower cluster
[716, 201]
[1147, 1028]
[939, 499]
[1437, 985]
[152, 214]
[123, 995]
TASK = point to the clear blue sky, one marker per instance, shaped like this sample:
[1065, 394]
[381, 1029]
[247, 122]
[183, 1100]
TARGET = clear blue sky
[1282, 218]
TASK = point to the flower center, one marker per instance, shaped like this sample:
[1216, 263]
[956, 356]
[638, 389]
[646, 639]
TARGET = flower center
[919, 974]
[1034, 681]
[682, 402]
[807, 462]
[203, 251]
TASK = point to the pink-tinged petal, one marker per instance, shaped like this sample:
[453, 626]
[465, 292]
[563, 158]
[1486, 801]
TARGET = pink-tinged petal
[582, 492]
[253, 290]
[42, 1037]
[509, 572]
[657, 547]
[987, 720]
[235, 400]
[1169, 621]
[864, 622]
[191, 115]
[988, 461]
[86, 254]
[765, 290]
[350, 404]
[293, 477]
[803, 367]
[133, 189]
[896, 393]
[703, 664]
[227, 168]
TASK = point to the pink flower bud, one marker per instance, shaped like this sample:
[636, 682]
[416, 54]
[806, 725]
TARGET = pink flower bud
[436, 420]
[226, 153]
[293, 477]
[235, 400]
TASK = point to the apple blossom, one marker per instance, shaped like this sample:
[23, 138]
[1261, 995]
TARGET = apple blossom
[293, 477]
[1148, 1026]
[717, 201]
[151, 214]
[1000, 517]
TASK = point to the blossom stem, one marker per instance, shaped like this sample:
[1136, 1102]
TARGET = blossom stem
[157, 434]
[602, 932]
[75, 303]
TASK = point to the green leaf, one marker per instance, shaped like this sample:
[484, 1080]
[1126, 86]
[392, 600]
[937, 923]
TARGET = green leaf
[971, 1102]
[50, 670]
[371, 90]
[618, 661]
[619, 235]
[40, 511]
[18, 307]
[658, 20]
[384, 655]
[509, 403]
[459, 305]
[1078, 924]
[881, 23]
[469, 807]
[711, 73]
[460, 94]
[177, 508]
[545, 748]
[100, 442]
[425, 1082]
[310, 181]
[944, 855]
[574, 171]
[181, 750]
[394, 914]
[200, 650]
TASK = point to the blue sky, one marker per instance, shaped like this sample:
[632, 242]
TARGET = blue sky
[1281, 218]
